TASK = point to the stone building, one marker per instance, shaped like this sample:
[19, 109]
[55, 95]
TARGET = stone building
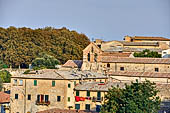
[4, 102]
[47, 89]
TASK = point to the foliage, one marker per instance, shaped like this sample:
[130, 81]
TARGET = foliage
[20, 46]
[26, 72]
[1, 85]
[5, 76]
[147, 53]
[3, 65]
[45, 61]
[134, 98]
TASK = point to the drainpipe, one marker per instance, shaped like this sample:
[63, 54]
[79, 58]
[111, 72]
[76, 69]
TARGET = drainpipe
[25, 98]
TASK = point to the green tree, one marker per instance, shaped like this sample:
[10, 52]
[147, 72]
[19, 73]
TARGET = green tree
[1, 84]
[134, 98]
[45, 61]
[5, 76]
[147, 53]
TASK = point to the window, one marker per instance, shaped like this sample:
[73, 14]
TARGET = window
[121, 68]
[21, 82]
[68, 99]
[87, 107]
[69, 85]
[15, 82]
[53, 83]
[92, 50]
[88, 56]
[99, 46]
[16, 96]
[58, 98]
[77, 93]
[156, 69]
[95, 57]
[41, 98]
[88, 93]
[35, 82]
[98, 95]
[46, 98]
[77, 106]
[108, 65]
[29, 97]
[38, 98]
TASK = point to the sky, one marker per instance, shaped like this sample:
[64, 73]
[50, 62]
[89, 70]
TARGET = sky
[97, 19]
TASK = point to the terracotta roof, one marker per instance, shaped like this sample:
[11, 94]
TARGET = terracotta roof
[150, 38]
[140, 74]
[56, 110]
[108, 59]
[4, 97]
[139, 43]
[73, 63]
[116, 54]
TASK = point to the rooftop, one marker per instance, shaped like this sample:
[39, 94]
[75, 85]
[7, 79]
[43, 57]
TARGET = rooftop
[108, 59]
[140, 74]
[58, 74]
[98, 86]
[73, 63]
[150, 38]
[4, 98]
[139, 43]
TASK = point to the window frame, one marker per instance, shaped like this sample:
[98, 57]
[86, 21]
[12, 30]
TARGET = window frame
[69, 85]
[35, 82]
[77, 106]
[16, 96]
[122, 68]
[156, 69]
[29, 97]
[77, 93]
[58, 98]
[88, 93]
[53, 83]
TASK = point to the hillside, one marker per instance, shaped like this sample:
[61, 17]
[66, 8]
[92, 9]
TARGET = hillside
[20, 46]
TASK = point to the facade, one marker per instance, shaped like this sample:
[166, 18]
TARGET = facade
[47, 89]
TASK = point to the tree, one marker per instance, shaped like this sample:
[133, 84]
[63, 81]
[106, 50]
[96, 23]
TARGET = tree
[134, 98]
[5, 76]
[45, 61]
[147, 53]
[1, 85]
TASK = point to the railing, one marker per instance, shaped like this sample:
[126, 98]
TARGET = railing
[43, 103]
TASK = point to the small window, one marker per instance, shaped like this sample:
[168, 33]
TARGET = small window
[20, 82]
[77, 106]
[77, 93]
[38, 98]
[69, 85]
[58, 98]
[88, 93]
[88, 56]
[99, 46]
[156, 69]
[46, 98]
[15, 82]
[122, 68]
[35, 82]
[68, 99]
[87, 107]
[16, 96]
[29, 97]
[92, 50]
[53, 83]
[108, 65]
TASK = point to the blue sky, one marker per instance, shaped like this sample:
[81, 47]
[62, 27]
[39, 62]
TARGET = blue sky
[105, 19]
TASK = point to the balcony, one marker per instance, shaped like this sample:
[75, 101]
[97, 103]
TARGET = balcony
[43, 103]
[97, 99]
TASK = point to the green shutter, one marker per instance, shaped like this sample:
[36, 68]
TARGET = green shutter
[88, 93]
[68, 99]
[53, 83]
[77, 106]
[69, 85]
[35, 82]
[77, 93]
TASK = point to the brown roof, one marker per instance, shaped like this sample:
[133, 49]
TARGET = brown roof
[56, 110]
[140, 74]
[116, 54]
[73, 63]
[108, 59]
[139, 43]
[4, 97]
[150, 38]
